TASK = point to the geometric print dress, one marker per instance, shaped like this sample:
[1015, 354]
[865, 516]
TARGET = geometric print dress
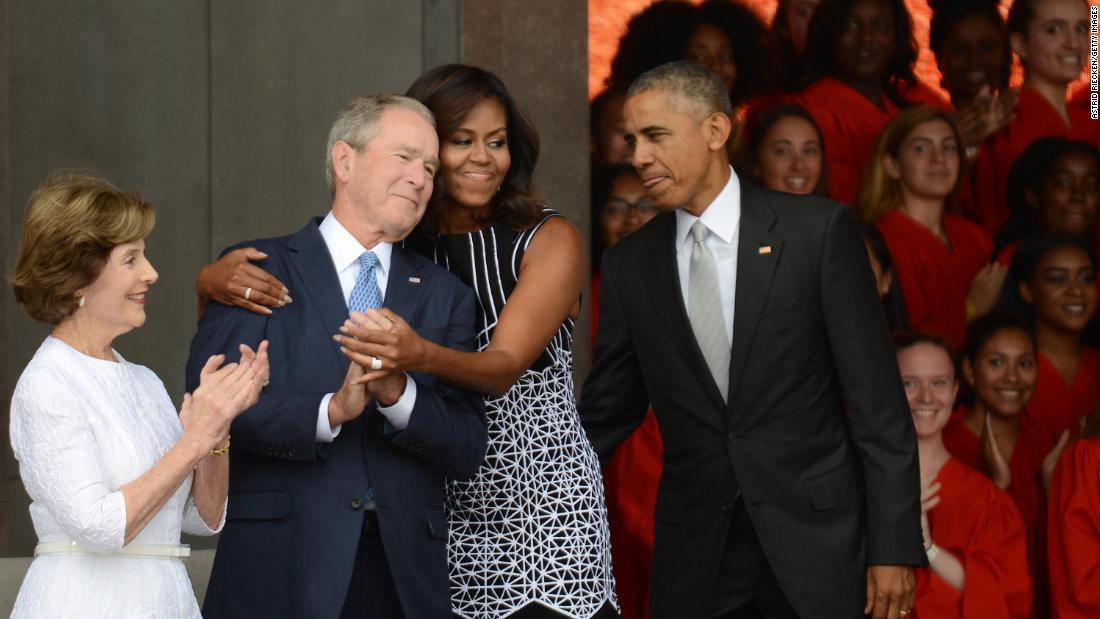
[529, 531]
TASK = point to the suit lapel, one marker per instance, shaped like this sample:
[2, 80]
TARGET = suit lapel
[311, 259]
[670, 304]
[406, 284]
[758, 250]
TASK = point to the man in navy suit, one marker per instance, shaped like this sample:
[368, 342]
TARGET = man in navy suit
[336, 488]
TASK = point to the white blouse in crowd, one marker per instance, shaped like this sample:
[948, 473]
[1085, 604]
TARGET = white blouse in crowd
[81, 428]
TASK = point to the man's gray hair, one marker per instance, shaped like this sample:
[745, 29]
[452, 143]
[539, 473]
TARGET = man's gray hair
[700, 92]
[357, 124]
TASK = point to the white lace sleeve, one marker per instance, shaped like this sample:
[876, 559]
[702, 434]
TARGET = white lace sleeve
[61, 464]
[193, 522]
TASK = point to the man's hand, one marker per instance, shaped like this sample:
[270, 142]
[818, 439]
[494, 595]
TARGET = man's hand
[350, 400]
[889, 591]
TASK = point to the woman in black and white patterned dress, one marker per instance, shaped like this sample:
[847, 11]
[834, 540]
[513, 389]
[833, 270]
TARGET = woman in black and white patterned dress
[529, 534]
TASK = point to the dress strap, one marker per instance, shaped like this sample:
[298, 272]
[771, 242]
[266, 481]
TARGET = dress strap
[519, 246]
[145, 551]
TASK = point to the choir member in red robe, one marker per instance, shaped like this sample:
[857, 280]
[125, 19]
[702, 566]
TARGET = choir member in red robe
[940, 260]
[856, 80]
[1051, 39]
[973, 533]
[1074, 532]
[1001, 370]
[1056, 274]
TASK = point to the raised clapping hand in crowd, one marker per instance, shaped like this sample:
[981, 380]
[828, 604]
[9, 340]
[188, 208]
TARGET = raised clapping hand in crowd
[986, 289]
[987, 114]
[223, 393]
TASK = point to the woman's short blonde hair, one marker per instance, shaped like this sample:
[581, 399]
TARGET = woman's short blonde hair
[72, 223]
[880, 194]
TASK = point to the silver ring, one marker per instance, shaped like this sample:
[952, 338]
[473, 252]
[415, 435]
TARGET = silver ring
[375, 363]
[247, 293]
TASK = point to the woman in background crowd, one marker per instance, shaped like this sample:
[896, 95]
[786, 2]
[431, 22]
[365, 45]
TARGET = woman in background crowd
[1056, 275]
[941, 260]
[114, 474]
[1074, 529]
[789, 30]
[1051, 39]
[1001, 370]
[782, 149]
[973, 534]
[882, 266]
[609, 145]
[857, 79]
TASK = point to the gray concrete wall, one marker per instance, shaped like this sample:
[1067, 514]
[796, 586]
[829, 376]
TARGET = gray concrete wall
[218, 111]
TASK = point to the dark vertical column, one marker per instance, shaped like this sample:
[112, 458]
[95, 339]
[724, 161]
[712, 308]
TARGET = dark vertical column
[540, 49]
[7, 469]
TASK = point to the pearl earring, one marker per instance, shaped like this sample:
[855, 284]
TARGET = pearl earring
[81, 302]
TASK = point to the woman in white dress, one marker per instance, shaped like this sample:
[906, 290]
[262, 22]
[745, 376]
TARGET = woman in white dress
[113, 473]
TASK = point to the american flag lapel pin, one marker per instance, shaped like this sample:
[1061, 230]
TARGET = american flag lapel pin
[414, 280]
[764, 249]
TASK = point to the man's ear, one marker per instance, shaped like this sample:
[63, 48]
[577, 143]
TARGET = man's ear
[893, 170]
[342, 160]
[717, 129]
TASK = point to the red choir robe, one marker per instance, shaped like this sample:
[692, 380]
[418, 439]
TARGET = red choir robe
[1026, 491]
[630, 487]
[1059, 405]
[935, 278]
[979, 524]
[1035, 118]
[850, 124]
[1074, 532]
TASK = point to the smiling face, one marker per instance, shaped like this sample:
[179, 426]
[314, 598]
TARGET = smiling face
[115, 302]
[388, 181]
[475, 157]
[682, 162]
[1004, 372]
[709, 47]
[972, 57]
[927, 164]
[928, 377]
[1069, 195]
[866, 42]
[790, 157]
[1056, 46]
[1062, 290]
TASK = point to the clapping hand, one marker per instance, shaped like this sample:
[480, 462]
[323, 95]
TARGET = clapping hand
[929, 498]
[379, 342]
[996, 463]
[1050, 462]
[987, 114]
[986, 288]
[223, 393]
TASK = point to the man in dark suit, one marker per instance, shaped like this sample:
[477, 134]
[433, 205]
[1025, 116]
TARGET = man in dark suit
[336, 488]
[749, 319]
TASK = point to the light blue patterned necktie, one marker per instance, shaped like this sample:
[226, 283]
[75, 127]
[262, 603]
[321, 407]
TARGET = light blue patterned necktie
[365, 295]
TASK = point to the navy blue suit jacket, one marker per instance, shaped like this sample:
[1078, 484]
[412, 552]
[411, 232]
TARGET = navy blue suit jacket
[295, 505]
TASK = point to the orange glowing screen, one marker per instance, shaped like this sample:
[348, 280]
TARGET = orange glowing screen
[607, 21]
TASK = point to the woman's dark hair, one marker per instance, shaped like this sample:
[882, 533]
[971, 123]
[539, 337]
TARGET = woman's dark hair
[894, 302]
[906, 338]
[451, 91]
[825, 30]
[597, 106]
[1032, 249]
[784, 56]
[1026, 177]
[758, 123]
[660, 34]
[983, 329]
[946, 14]
[603, 178]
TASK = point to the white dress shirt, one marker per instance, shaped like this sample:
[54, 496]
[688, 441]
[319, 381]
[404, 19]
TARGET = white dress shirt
[723, 218]
[345, 251]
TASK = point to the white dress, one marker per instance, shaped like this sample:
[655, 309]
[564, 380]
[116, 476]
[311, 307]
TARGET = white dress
[81, 428]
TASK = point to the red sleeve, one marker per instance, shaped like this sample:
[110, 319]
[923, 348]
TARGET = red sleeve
[997, 579]
[1074, 533]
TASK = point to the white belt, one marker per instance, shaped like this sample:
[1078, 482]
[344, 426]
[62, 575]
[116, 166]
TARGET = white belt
[145, 551]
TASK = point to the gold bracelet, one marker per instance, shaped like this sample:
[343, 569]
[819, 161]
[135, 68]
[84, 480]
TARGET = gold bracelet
[221, 451]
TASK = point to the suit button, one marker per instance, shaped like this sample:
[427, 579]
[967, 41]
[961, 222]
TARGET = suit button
[732, 437]
[356, 503]
[725, 507]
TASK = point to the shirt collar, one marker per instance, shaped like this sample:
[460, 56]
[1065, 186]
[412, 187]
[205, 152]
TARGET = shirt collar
[345, 249]
[722, 216]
